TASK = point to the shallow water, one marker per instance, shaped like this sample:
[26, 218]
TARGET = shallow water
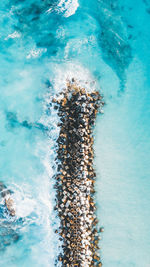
[104, 45]
[122, 149]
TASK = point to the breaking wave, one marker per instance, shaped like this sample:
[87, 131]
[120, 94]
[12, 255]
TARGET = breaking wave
[67, 7]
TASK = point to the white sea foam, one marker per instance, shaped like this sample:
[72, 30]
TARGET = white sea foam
[67, 7]
[36, 52]
[13, 35]
[67, 71]
[24, 204]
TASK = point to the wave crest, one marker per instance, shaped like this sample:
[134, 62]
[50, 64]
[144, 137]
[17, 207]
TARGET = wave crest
[68, 8]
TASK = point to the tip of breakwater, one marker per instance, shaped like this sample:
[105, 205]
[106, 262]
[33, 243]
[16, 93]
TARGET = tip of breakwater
[75, 177]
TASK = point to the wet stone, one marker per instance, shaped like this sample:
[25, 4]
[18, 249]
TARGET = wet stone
[77, 111]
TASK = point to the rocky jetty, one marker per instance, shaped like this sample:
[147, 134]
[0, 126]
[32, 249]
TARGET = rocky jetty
[75, 176]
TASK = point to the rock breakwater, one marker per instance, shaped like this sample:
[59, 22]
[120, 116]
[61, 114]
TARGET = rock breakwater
[75, 176]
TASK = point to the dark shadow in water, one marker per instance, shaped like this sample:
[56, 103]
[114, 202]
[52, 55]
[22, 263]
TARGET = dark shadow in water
[147, 4]
[7, 235]
[114, 39]
[35, 22]
[13, 122]
[9, 232]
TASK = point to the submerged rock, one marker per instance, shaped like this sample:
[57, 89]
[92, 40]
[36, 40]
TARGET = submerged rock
[10, 206]
[8, 224]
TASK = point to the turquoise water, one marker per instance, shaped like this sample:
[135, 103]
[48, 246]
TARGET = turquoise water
[103, 44]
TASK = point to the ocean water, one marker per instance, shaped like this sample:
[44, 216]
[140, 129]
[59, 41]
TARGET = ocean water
[104, 44]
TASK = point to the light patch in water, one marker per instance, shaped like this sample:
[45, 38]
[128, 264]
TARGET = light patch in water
[34, 53]
[15, 34]
[68, 8]
[24, 201]
[24, 204]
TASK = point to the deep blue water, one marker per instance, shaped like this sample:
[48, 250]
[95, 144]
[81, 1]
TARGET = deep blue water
[103, 44]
